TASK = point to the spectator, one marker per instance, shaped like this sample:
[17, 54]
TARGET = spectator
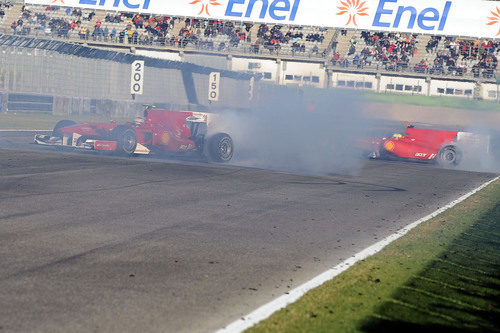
[105, 34]
[335, 58]
[432, 44]
[315, 49]
[14, 27]
[355, 60]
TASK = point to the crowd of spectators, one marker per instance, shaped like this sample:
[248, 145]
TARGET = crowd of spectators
[144, 29]
[219, 35]
[392, 50]
[195, 32]
[443, 55]
[110, 18]
[157, 30]
[43, 23]
[459, 56]
[3, 8]
[206, 33]
[272, 38]
[315, 37]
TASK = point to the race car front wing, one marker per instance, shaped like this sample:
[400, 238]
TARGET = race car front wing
[99, 145]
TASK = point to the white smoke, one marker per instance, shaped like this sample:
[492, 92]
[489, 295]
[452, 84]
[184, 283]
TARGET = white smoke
[295, 133]
[482, 153]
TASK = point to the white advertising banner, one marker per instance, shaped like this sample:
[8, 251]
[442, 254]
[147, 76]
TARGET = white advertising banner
[473, 18]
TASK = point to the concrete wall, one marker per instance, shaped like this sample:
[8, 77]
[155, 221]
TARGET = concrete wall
[269, 68]
[303, 73]
[354, 81]
[296, 73]
[490, 91]
[283, 72]
[415, 85]
[174, 56]
[403, 85]
[452, 88]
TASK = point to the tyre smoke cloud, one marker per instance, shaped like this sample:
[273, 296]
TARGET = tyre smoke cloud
[314, 134]
[484, 154]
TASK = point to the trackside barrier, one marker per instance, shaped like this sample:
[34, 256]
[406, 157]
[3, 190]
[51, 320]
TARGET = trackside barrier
[29, 103]
[56, 68]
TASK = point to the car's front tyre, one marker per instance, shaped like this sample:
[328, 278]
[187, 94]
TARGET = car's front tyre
[126, 140]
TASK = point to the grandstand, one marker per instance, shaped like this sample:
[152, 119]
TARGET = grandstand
[167, 32]
[282, 54]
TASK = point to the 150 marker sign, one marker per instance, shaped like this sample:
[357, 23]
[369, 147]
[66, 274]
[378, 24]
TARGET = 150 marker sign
[213, 86]
[137, 78]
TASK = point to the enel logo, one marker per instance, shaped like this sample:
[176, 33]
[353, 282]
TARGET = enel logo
[426, 19]
[277, 9]
[144, 4]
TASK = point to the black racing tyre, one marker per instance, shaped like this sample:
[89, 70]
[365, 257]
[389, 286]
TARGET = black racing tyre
[126, 139]
[449, 156]
[220, 148]
[63, 123]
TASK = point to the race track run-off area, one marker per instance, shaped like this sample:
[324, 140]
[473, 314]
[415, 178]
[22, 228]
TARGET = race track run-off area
[95, 243]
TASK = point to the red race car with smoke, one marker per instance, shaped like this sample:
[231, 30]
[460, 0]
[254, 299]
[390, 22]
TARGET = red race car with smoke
[158, 131]
[444, 147]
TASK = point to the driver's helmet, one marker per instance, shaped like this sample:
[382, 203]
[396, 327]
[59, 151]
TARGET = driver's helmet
[397, 136]
[139, 120]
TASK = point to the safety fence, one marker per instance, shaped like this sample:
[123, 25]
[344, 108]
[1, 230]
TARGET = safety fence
[63, 70]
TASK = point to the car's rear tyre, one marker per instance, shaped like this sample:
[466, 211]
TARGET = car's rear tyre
[62, 124]
[220, 148]
[126, 140]
[449, 156]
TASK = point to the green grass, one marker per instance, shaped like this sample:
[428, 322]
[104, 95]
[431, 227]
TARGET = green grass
[436, 101]
[44, 121]
[445, 275]
[317, 94]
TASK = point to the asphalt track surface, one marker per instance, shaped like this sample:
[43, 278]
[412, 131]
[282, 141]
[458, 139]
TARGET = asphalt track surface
[92, 243]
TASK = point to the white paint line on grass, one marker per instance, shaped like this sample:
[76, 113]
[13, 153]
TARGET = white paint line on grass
[279, 303]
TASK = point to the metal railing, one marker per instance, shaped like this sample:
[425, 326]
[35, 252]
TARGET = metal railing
[222, 45]
[451, 72]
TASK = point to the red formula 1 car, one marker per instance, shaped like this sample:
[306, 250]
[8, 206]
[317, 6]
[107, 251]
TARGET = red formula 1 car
[444, 147]
[159, 131]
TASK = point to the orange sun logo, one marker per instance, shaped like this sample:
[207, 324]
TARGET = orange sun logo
[494, 19]
[204, 5]
[352, 8]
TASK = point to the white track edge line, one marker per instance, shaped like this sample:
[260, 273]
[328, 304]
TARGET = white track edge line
[279, 303]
